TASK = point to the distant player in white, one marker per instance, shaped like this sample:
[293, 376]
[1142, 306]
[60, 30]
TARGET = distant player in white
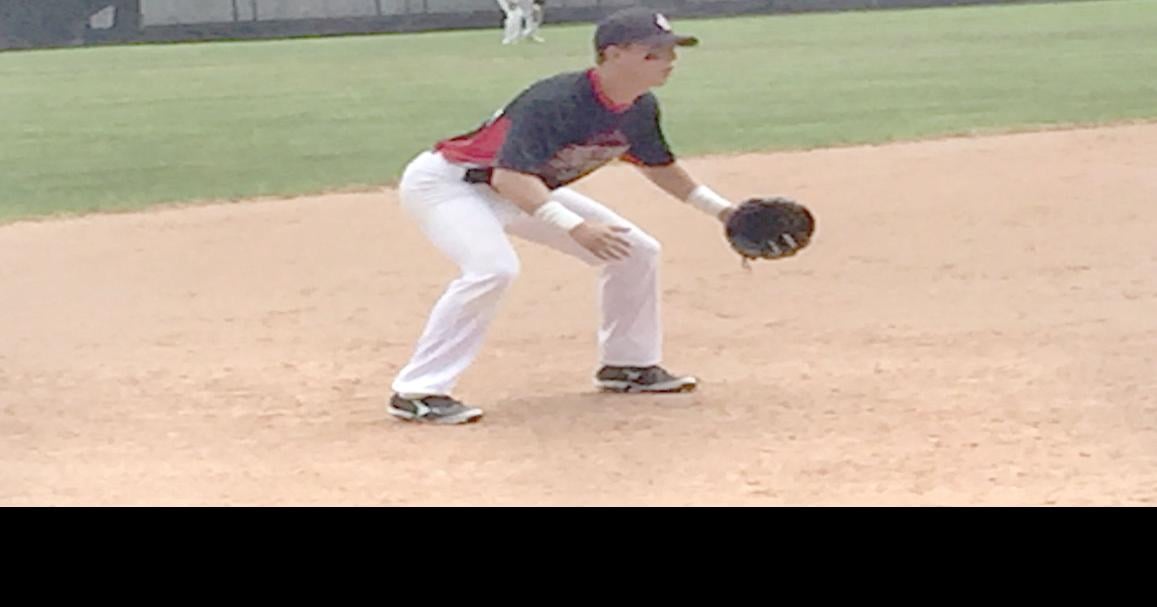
[523, 18]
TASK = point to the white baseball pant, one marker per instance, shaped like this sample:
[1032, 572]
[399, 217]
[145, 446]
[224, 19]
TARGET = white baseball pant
[534, 17]
[469, 223]
[516, 11]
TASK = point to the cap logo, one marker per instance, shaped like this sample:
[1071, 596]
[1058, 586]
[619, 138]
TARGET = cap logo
[662, 22]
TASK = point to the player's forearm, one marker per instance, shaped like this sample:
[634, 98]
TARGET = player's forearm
[676, 181]
[671, 178]
[530, 194]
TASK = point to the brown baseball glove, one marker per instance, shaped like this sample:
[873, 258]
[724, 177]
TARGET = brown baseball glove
[769, 228]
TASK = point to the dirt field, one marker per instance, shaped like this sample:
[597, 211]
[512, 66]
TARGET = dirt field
[975, 323]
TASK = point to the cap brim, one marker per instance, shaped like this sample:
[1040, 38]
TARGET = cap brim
[672, 40]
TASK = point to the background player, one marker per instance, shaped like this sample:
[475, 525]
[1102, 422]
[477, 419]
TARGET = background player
[523, 18]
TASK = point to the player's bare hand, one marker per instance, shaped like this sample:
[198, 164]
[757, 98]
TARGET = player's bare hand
[603, 240]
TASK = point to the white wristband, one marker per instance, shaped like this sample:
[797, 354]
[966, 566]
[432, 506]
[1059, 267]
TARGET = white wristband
[554, 213]
[705, 199]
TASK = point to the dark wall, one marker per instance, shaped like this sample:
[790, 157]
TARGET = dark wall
[49, 23]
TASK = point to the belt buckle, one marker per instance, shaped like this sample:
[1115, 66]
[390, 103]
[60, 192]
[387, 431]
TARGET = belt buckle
[477, 175]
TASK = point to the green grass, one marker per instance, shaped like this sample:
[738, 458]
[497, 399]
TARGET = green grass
[120, 128]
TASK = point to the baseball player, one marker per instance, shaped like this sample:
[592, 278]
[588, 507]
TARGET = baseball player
[523, 18]
[509, 177]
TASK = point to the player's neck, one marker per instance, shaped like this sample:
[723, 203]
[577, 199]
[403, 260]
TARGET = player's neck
[616, 87]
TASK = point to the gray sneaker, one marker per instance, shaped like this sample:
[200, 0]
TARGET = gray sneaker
[432, 410]
[642, 379]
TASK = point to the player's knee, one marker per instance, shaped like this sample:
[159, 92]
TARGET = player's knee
[506, 275]
[498, 276]
[645, 245]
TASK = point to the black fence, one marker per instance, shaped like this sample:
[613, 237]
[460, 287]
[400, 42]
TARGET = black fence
[57, 23]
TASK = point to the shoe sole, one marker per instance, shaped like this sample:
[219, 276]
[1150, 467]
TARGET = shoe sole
[466, 417]
[623, 387]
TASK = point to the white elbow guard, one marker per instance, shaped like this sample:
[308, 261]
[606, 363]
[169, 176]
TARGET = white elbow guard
[554, 213]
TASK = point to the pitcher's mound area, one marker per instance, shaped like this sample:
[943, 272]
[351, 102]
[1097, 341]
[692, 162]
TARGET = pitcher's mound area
[975, 323]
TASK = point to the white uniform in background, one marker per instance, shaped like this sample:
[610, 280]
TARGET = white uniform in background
[523, 18]
[534, 21]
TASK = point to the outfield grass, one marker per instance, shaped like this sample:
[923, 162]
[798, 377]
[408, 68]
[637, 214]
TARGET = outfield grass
[123, 127]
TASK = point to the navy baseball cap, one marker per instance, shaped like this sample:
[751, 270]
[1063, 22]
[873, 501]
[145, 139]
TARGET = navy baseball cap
[638, 26]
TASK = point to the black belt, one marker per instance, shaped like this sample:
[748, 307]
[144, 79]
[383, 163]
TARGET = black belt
[478, 175]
